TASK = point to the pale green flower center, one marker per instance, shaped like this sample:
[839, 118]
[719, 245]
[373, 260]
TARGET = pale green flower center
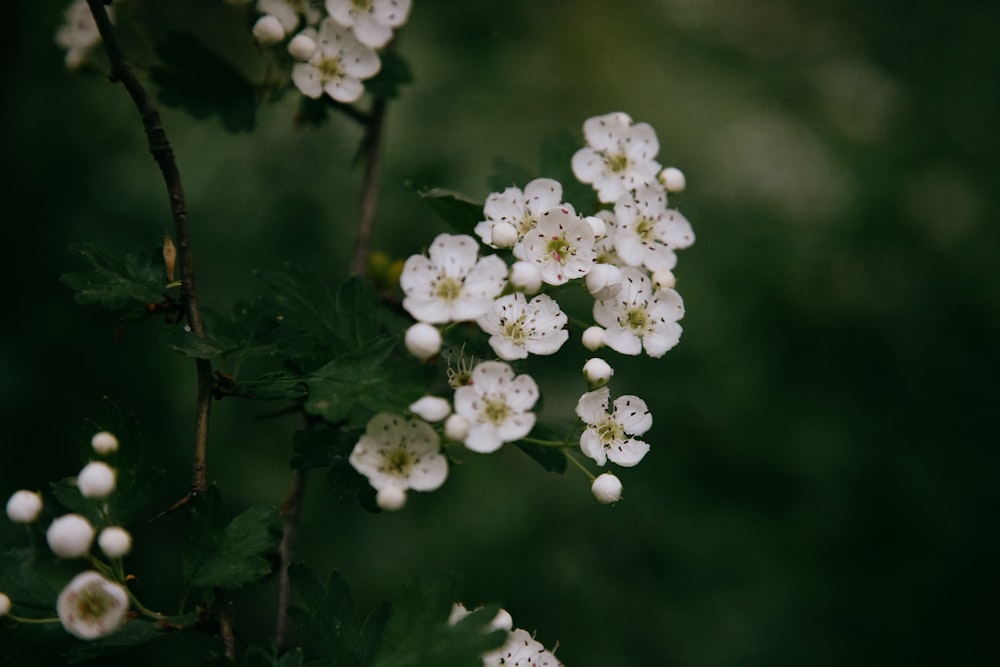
[636, 319]
[94, 603]
[363, 5]
[514, 329]
[448, 288]
[644, 229]
[618, 162]
[330, 67]
[558, 249]
[497, 411]
[610, 431]
[398, 462]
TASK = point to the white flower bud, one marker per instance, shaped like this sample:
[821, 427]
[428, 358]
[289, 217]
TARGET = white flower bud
[91, 606]
[503, 235]
[115, 541]
[607, 488]
[96, 480]
[302, 47]
[431, 408]
[423, 340]
[673, 179]
[70, 536]
[268, 30]
[598, 225]
[593, 338]
[104, 442]
[597, 372]
[604, 281]
[4, 605]
[526, 276]
[24, 506]
[664, 279]
[456, 428]
[390, 498]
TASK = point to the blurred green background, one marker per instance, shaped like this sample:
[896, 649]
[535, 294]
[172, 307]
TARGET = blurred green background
[822, 487]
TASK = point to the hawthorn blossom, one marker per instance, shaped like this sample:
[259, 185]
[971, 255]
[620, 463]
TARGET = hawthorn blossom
[562, 245]
[521, 650]
[518, 327]
[520, 210]
[607, 488]
[451, 284]
[372, 21]
[497, 406]
[96, 480]
[289, 12]
[401, 453]
[647, 232]
[78, 34]
[115, 541]
[640, 317]
[338, 65]
[618, 157]
[611, 436]
[24, 506]
[91, 606]
[70, 536]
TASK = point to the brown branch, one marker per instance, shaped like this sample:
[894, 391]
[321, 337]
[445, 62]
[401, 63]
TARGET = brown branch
[163, 154]
[369, 188]
[290, 511]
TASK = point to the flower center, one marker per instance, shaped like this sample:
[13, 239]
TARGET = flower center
[644, 229]
[610, 431]
[447, 288]
[617, 162]
[525, 224]
[514, 329]
[330, 67]
[363, 5]
[558, 248]
[496, 411]
[398, 462]
[636, 319]
[94, 603]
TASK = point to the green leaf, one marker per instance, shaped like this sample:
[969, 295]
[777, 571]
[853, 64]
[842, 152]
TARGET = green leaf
[262, 654]
[328, 621]
[115, 282]
[394, 74]
[229, 556]
[417, 632]
[136, 631]
[199, 81]
[358, 310]
[458, 210]
[322, 447]
[21, 581]
[338, 385]
[552, 459]
[248, 332]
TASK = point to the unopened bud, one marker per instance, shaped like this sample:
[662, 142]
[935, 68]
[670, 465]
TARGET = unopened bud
[268, 30]
[96, 480]
[607, 488]
[390, 498]
[24, 506]
[302, 47]
[115, 541]
[503, 234]
[673, 179]
[422, 340]
[431, 408]
[70, 536]
[593, 338]
[526, 276]
[104, 442]
[604, 281]
[598, 372]
[456, 428]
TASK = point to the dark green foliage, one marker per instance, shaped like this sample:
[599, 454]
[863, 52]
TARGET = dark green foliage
[196, 79]
[228, 555]
[394, 74]
[116, 282]
[452, 207]
[327, 621]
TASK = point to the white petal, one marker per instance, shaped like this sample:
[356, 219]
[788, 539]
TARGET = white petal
[344, 89]
[370, 32]
[622, 340]
[429, 473]
[483, 438]
[593, 406]
[631, 412]
[591, 445]
[306, 78]
[628, 453]
[392, 13]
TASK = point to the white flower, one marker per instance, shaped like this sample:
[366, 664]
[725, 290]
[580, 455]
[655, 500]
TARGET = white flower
[371, 20]
[91, 606]
[604, 248]
[400, 452]
[70, 536]
[456, 427]
[526, 276]
[78, 34]
[104, 442]
[422, 340]
[607, 488]
[115, 541]
[496, 405]
[451, 284]
[268, 30]
[619, 156]
[288, 12]
[640, 318]
[518, 327]
[604, 281]
[431, 408]
[673, 179]
[521, 210]
[24, 506]
[303, 45]
[610, 436]
[4, 605]
[96, 480]
[597, 371]
[593, 338]
[647, 232]
[562, 245]
[337, 67]
[520, 650]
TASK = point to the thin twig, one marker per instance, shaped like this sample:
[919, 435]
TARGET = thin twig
[369, 188]
[290, 511]
[161, 151]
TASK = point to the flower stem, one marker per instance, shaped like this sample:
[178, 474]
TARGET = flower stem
[579, 465]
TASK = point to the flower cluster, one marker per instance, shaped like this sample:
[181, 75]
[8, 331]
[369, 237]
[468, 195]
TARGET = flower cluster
[78, 34]
[520, 649]
[334, 45]
[530, 241]
[90, 606]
